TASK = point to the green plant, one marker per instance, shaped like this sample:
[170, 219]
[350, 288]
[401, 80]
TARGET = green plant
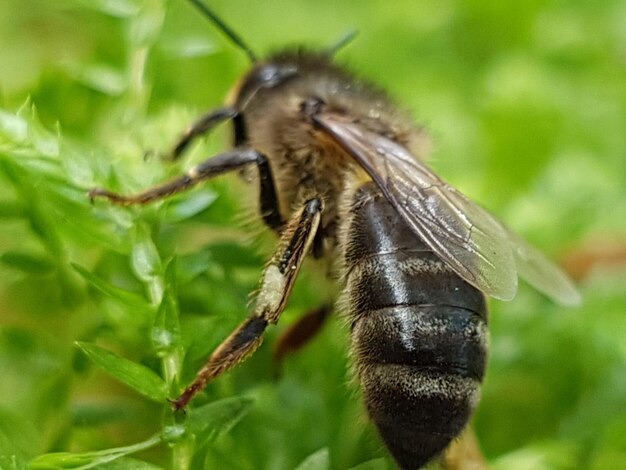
[106, 311]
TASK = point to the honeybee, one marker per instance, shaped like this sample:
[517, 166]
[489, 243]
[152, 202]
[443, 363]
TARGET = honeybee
[341, 177]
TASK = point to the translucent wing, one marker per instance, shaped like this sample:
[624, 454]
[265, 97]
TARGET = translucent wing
[464, 235]
[541, 273]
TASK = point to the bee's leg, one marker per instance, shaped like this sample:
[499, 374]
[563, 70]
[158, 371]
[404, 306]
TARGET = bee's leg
[220, 164]
[301, 332]
[268, 199]
[278, 278]
[203, 125]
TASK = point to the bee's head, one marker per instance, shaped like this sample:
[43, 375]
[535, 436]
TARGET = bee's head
[263, 77]
[282, 68]
[278, 69]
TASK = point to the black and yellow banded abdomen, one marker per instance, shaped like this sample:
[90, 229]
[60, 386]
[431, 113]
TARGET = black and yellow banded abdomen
[419, 332]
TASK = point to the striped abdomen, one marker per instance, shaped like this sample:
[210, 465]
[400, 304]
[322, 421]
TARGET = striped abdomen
[419, 332]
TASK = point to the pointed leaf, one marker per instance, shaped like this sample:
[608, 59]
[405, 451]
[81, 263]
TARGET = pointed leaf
[27, 262]
[186, 208]
[45, 142]
[13, 127]
[96, 459]
[126, 297]
[192, 265]
[146, 262]
[165, 332]
[136, 376]
[146, 25]
[320, 460]
[60, 460]
[214, 419]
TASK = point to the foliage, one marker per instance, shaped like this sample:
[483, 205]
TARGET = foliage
[106, 311]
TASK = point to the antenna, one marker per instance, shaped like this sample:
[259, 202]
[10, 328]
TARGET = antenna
[343, 41]
[234, 37]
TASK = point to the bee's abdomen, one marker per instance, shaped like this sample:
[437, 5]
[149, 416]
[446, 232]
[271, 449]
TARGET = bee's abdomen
[419, 333]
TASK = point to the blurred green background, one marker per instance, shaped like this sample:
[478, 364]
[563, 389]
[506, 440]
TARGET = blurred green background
[526, 103]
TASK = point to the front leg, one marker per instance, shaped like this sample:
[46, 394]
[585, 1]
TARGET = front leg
[202, 126]
[278, 279]
[214, 166]
[223, 163]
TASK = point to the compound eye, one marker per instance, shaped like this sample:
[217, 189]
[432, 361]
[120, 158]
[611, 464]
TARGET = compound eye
[271, 75]
[268, 74]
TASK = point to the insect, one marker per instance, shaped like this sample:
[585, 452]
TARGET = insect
[341, 176]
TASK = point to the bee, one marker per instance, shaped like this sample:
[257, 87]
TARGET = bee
[341, 177]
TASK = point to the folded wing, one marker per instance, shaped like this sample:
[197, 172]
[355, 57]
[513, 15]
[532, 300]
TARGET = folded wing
[477, 246]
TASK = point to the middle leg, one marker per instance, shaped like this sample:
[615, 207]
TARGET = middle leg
[278, 280]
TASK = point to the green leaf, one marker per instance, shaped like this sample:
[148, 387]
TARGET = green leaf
[77, 168]
[191, 205]
[192, 265]
[44, 141]
[96, 459]
[136, 376]
[210, 421]
[103, 78]
[126, 297]
[531, 124]
[146, 25]
[27, 262]
[320, 460]
[33, 198]
[146, 262]
[165, 332]
[13, 127]
[145, 257]
[59, 460]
